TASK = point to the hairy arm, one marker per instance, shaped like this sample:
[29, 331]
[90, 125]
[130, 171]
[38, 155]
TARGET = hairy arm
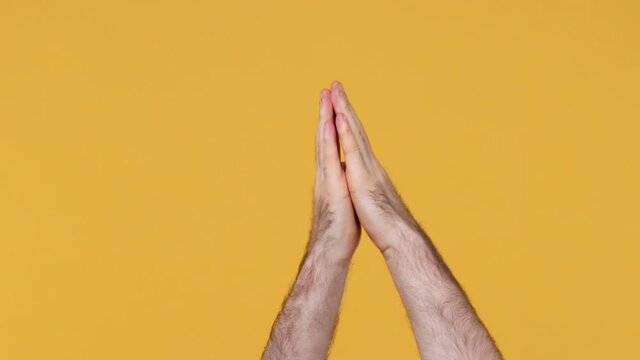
[444, 323]
[305, 325]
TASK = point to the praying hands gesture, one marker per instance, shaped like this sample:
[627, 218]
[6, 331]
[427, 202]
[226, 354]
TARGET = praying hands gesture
[354, 193]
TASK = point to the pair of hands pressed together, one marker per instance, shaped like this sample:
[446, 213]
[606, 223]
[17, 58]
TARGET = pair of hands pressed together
[358, 193]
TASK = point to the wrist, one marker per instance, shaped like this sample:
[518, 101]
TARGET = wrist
[327, 255]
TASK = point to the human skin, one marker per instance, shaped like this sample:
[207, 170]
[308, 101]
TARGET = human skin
[444, 323]
[304, 327]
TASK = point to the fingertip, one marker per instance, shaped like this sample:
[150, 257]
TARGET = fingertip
[339, 99]
[336, 85]
[325, 104]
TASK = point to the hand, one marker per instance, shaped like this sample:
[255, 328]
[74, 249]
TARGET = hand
[378, 205]
[336, 230]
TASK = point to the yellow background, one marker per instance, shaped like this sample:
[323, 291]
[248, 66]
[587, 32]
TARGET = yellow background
[156, 168]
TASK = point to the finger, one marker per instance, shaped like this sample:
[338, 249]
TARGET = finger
[351, 149]
[341, 104]
[331, 156]
[325, 115]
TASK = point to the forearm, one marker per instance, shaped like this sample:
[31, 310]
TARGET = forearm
[305, 325]
[443, 320]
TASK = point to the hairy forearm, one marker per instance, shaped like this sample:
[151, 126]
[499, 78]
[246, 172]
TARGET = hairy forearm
[305, 325]
[444, 322]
